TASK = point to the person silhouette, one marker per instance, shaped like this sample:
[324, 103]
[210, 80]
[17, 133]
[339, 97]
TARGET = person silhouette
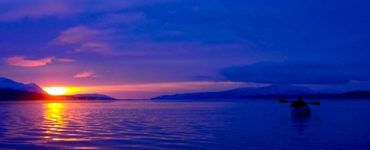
[299, 103]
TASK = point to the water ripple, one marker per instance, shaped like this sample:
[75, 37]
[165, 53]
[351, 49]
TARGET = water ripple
[158, 125]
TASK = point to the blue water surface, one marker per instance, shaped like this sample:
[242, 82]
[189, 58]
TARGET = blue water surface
[226, 124]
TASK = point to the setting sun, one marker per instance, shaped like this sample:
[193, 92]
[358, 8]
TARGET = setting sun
[56, 90]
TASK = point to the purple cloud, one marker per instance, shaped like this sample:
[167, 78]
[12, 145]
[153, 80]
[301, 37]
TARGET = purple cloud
[87, 39]
[65, 60]
[85, 74]
[21, 61]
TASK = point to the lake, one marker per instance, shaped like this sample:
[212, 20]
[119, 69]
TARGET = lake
[232, 124]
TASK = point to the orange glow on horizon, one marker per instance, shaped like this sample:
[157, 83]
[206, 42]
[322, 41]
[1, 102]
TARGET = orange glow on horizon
[141, 90]
[61, 90]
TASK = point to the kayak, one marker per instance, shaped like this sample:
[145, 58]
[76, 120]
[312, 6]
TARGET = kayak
[301, 111]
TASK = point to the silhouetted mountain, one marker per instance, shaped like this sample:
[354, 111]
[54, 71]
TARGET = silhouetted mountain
[273, 91]
[248, 92]
[6, 83]
[12, 90]
[12, 94]
[276, 90]
[356, 94]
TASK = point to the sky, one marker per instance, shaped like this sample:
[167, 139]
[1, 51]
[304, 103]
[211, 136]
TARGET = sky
[141, 48]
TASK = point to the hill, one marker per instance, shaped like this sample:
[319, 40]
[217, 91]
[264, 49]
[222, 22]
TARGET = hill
[273, 91]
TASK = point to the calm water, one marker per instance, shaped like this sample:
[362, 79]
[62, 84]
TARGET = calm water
[256, 124]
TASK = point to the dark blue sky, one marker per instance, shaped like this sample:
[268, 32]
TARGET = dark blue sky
[138, 48]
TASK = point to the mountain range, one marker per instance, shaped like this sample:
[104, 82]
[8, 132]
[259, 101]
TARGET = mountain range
[11, 90]
[272, 91]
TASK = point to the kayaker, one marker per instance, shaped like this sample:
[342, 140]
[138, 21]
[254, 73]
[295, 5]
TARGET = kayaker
[299, 103]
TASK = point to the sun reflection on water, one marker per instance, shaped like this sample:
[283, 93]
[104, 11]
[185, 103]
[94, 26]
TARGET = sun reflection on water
[54, 123]
[57, 124]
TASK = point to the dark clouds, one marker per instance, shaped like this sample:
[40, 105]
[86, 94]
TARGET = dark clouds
[298, 73]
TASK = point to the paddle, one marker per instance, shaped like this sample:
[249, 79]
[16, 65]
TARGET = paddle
[316, 103]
